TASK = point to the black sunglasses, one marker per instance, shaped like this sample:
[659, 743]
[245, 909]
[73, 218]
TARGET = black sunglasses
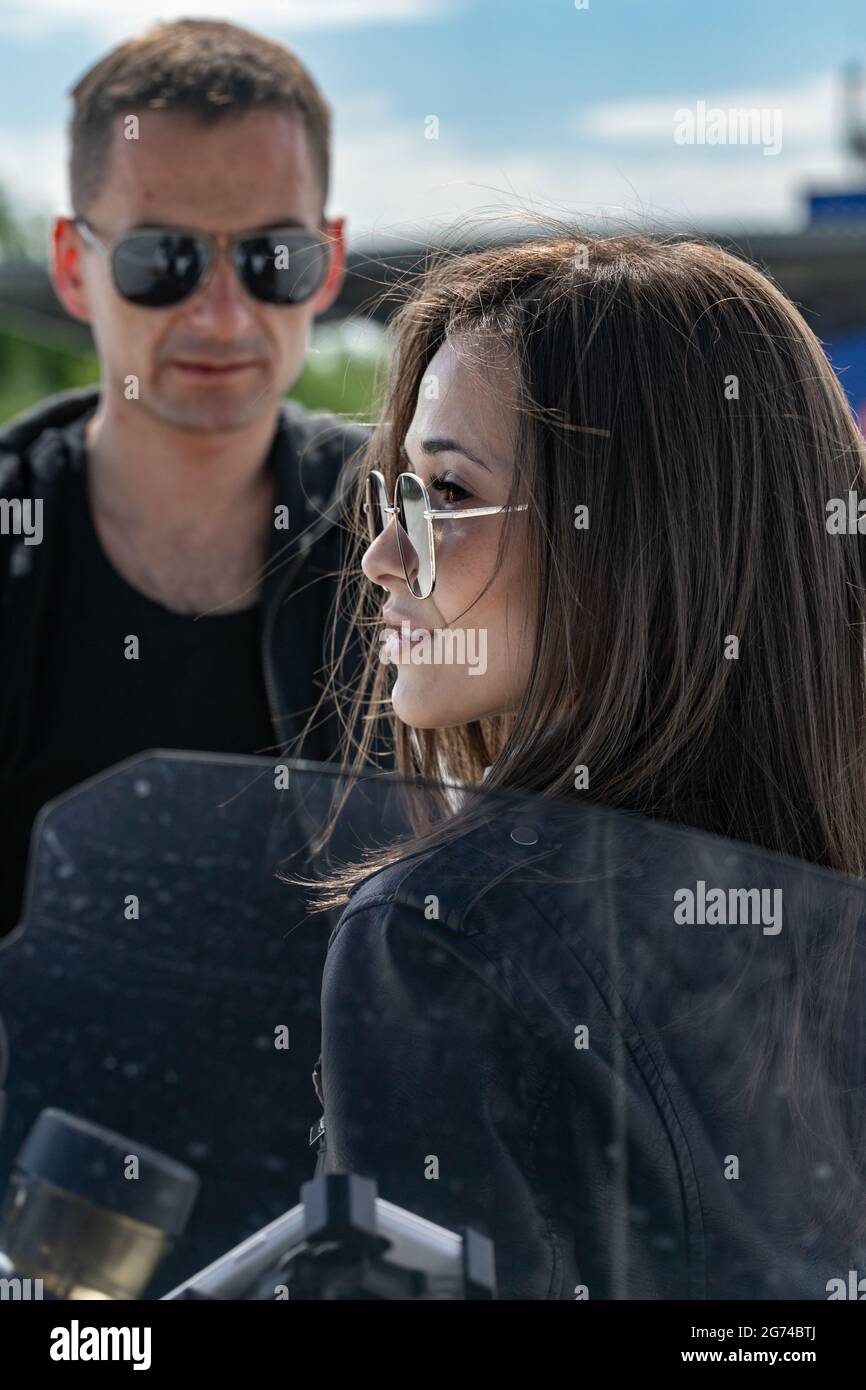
[159, 267]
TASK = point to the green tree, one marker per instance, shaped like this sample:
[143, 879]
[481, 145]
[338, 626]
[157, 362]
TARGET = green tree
[22, 238]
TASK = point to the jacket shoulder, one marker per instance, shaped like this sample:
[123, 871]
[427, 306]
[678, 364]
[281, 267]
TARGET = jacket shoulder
[20, 435]
[322, 434]
[317, 456]
[476, 866]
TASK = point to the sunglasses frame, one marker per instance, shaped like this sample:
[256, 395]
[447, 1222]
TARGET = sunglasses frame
[213, 244]
[431, 514]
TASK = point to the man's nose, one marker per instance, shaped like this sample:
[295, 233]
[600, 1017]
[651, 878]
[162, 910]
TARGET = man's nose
[221, 309]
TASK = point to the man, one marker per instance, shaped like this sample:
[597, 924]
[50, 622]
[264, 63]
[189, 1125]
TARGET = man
[168, 541]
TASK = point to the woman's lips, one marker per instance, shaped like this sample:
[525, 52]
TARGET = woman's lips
[392, 637]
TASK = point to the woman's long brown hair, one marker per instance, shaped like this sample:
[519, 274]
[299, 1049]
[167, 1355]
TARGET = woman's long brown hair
[672, 390]
[680, 397]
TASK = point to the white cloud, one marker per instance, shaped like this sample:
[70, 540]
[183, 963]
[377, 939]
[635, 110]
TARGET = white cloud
[395, 185]
[810, 112]
[389, 178]
[112, 21]
[32, 166]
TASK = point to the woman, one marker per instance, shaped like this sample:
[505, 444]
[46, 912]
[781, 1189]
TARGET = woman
[631, 451]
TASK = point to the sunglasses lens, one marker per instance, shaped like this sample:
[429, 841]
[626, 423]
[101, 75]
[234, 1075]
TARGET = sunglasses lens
[375, 504]
[157, 269]
[282, 267]
[413, 537]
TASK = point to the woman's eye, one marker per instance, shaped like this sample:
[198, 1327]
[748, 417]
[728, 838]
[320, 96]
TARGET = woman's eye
[447, 490]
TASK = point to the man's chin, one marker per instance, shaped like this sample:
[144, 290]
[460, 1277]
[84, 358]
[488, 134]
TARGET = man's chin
[215, 409]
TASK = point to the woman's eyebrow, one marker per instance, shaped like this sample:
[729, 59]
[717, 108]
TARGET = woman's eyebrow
[440, 445]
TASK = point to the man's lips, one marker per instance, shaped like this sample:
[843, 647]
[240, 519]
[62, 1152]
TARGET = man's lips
[213, 369]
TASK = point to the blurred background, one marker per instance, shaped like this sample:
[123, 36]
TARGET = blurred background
[457, 121]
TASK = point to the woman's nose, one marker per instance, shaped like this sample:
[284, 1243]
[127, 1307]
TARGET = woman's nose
[381, 560]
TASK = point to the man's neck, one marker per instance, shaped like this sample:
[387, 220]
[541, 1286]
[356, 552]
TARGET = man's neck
[155, 474]
[184, 516]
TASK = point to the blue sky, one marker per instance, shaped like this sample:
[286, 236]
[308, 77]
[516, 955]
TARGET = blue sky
[540, 105]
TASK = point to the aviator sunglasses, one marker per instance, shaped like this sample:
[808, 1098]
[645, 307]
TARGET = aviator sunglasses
[161, 266]
[415, 518]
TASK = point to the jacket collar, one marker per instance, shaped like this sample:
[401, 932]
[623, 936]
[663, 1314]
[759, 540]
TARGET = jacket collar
[307, 452]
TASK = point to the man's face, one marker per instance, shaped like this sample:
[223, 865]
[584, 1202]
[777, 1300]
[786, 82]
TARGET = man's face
[222, 358]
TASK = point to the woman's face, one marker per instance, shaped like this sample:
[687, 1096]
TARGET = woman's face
[471, 650]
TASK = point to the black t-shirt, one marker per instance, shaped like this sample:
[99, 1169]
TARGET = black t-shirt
[197, 684]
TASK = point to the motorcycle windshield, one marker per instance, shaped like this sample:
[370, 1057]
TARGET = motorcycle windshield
[629, 1053]
[165, 981]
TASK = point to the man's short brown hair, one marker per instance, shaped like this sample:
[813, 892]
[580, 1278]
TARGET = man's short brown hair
[203, 68]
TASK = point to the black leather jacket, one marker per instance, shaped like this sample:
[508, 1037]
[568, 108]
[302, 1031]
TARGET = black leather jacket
[623, 1161]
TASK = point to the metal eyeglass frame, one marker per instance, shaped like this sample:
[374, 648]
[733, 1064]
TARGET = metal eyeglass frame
[431, 514]
[215, 242]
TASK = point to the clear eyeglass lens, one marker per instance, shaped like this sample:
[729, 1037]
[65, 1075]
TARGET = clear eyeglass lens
[413, 536]
[376, 503]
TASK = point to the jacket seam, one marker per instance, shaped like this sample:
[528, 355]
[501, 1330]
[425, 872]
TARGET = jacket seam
[543, 1109]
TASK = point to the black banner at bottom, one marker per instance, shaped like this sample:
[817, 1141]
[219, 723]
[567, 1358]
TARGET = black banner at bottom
[163, 1338]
